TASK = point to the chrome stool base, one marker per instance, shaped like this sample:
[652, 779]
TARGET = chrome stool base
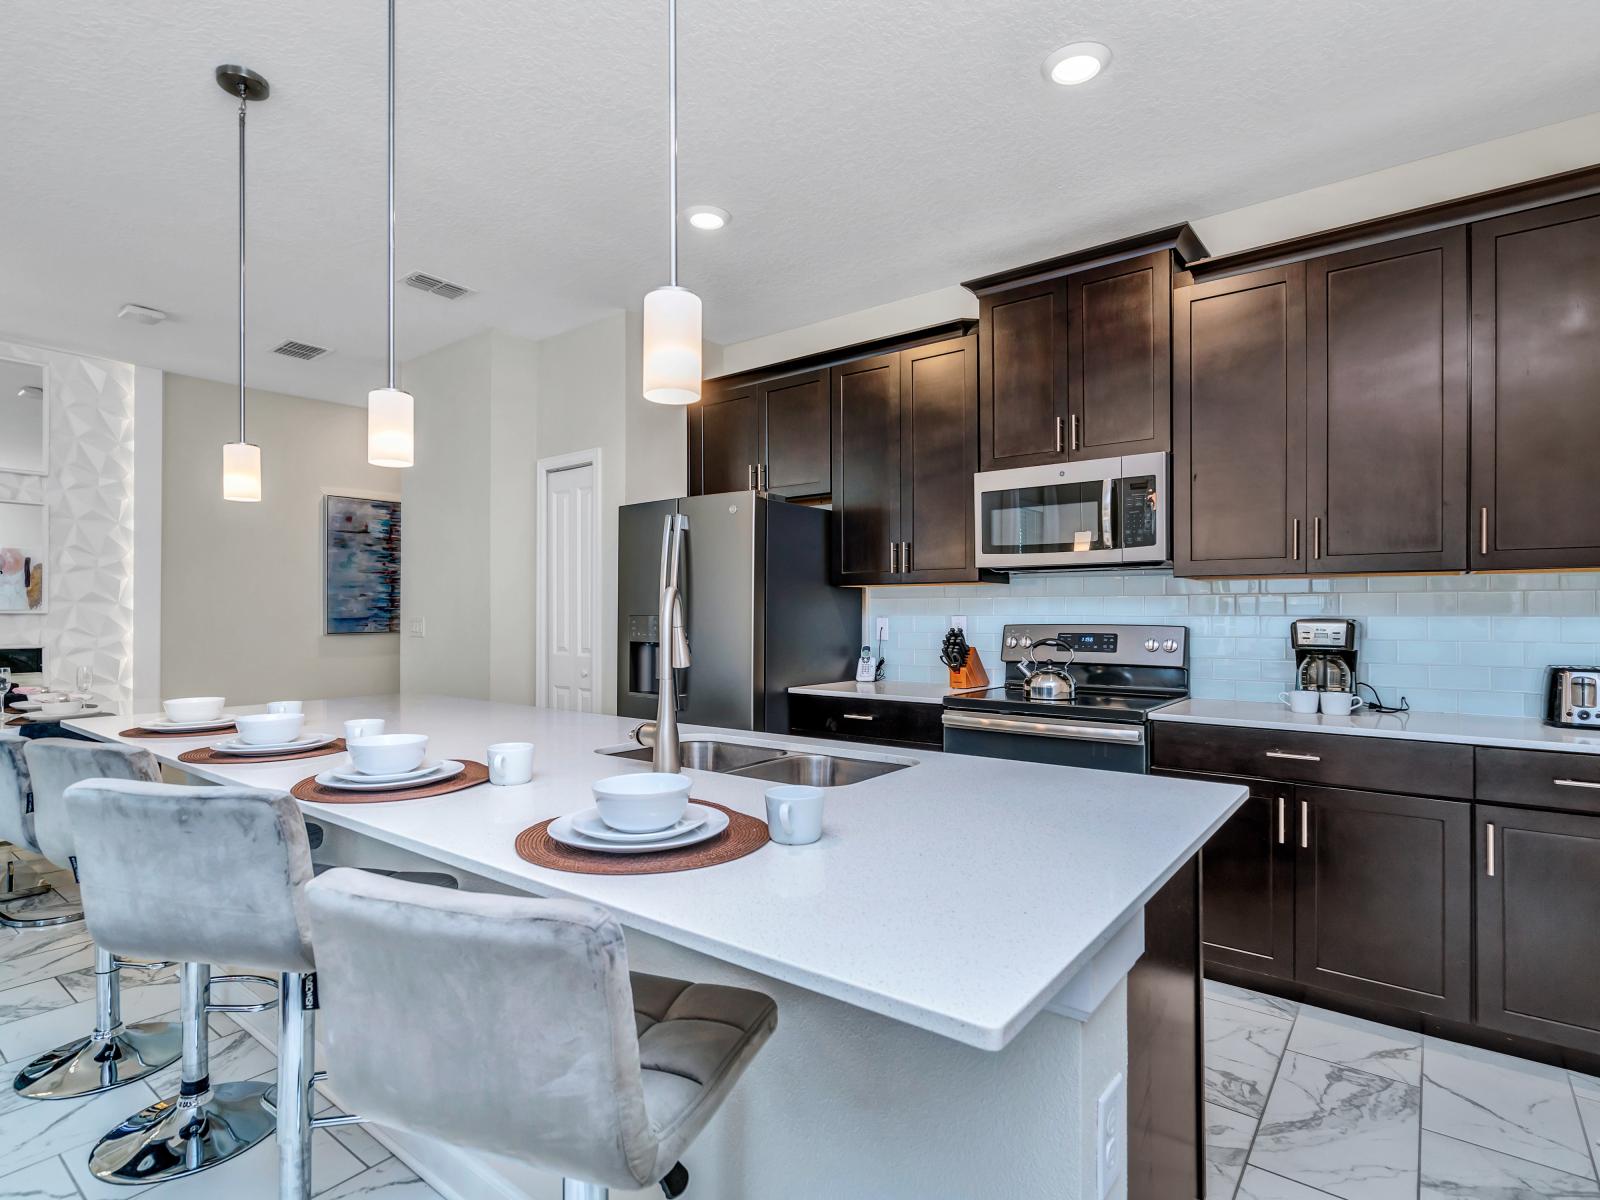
[179, 1136]
[16, 921]
[98, 1064]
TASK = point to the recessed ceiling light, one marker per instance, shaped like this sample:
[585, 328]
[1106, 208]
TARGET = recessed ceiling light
[707, 217]
[1077, 63]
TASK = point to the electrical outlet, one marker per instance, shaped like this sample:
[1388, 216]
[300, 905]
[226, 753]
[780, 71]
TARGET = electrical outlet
[1111, 1148]
[883, 629]
[959, 622]
[418, 626]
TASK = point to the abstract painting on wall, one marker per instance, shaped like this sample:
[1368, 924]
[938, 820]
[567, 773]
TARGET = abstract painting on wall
[23, 533]
[362, 577]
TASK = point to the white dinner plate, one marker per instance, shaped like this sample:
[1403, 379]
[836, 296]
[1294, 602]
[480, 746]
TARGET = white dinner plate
[448, 769]
[590, 824]
[309, 742]
[162, 725]
[82, 712]
[27, 706]
[351, 775]
[562, 831]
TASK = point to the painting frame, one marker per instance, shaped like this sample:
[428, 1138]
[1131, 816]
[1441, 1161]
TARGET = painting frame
[27, 530]
[361, 565]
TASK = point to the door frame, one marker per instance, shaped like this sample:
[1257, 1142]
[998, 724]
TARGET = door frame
[543, 469]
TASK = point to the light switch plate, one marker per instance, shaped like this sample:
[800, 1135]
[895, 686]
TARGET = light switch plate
[959, 622]
[1111, 1149]
[883, 630]
[418, 626]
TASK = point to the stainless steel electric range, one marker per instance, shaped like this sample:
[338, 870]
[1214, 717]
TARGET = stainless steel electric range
[1074, 695]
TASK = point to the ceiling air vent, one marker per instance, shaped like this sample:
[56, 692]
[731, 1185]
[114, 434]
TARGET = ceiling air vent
[304, 351]
[439, 287]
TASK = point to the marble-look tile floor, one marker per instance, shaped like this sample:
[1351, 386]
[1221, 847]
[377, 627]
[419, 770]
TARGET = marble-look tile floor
[47, 997]
[1306, 1104]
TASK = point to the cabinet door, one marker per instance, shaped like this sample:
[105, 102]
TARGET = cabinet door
[1387, 395]
[866, 469]
[939, 453]
[1119, 321]
[1383, 899]
[1538, 939]
[1247, 874]
[1536, 388]
[724, 439]
[1239, 425]
[1023, 419]
[798, 454]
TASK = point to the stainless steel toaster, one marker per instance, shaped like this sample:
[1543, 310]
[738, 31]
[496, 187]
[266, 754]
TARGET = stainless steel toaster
[1574, 697]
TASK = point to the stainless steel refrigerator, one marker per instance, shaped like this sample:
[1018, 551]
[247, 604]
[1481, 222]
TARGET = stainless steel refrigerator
[761, 614]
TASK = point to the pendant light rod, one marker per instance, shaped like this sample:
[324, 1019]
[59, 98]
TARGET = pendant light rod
[392, 376]
[243, 97]
[672, 131]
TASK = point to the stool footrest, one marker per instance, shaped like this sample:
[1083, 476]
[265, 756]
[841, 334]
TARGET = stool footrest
[263, 1006]
[675, 1181]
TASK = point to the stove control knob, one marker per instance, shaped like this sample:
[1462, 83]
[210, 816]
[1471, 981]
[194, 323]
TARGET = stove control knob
[1011, 643]
[1152, 645]
[1170, 646]
[1025, 641]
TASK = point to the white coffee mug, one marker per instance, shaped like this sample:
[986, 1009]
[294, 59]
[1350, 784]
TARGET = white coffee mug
[1301, 701]
[511, 763]
[1340, 704]
[794, 813]
[366, 727]
[285, 706]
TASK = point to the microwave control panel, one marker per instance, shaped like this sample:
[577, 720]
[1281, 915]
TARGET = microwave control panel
[1139, 501]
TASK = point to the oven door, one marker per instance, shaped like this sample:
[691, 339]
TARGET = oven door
[1097, 745]
[1062, 515]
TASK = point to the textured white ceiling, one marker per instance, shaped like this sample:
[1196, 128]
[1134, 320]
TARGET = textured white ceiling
[868, 150]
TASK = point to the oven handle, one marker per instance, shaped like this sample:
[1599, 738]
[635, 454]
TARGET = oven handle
[1126, 735]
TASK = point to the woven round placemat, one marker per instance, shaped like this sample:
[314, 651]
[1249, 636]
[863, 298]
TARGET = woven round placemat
[744, 835]
[139, 731]
[310, 789]
[208, 756]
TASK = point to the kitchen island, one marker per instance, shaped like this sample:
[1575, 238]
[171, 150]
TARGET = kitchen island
[948, 961]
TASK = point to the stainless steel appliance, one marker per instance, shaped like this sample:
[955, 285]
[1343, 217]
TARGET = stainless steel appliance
[1119, 675]
[1574, 697]
[758, 610]
[1100, 512]
[1324, 654]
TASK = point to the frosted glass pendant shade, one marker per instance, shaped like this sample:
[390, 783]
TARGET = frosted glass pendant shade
[241, 472]
[672, 346]
[390, 441]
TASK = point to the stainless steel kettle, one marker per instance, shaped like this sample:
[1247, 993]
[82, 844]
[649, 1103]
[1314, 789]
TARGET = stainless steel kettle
[1048, 681]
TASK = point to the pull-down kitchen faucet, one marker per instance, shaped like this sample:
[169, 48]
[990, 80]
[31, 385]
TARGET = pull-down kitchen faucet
[674, 645]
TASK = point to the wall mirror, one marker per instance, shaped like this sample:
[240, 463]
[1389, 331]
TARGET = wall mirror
[24, 418]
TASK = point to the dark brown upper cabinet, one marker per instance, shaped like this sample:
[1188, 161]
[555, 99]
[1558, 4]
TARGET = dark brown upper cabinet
[904, 452]
[1239, 425]
[1024, 407]
[1536, 388]
[724, 438]
[1386, 358]
[1119, 370]
[798, 457]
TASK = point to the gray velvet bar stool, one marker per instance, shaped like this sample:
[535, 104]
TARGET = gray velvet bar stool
[16, 828]
[113, 1053]
[525, 1033]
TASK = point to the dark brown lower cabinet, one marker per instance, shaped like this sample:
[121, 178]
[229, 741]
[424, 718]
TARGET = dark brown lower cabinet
[1247, 871]
[1538, 925]
[1383, 898]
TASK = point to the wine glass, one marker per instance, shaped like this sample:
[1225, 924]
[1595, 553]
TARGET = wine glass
[85, 679]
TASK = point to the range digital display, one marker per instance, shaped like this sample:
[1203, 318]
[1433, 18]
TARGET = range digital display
[1091, 643]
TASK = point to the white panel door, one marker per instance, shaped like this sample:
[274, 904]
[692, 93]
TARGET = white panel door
[571, 532]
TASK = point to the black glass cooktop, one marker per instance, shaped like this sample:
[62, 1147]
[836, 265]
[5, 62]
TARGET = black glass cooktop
[1100, 706]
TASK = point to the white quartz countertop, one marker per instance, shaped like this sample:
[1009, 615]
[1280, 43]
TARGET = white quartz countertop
[1519, 733]
[957, 896]
[914, 693]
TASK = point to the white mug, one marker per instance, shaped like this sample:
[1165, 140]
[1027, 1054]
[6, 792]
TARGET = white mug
[1301, 701]
[366, 727]
[285, 706]
[511, 763]
[1340, 704]
[794, 813]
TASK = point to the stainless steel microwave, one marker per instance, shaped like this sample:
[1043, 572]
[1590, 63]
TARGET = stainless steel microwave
[1099, 512]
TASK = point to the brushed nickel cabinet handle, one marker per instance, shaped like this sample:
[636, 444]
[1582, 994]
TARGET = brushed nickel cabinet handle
[894, 558]
[856, 716]
[1077, 442]
[905, 556]
[1283, 832]
[1060, 446]
[764, 476]
[1316, 537]
[1296, 757]
[750, 476]
[1583, 783]
[1295, 526]
[1305, 825]
[1483, 530]
[1490, 830]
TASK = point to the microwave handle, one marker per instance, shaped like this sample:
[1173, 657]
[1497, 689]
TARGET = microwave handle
[1107, 489]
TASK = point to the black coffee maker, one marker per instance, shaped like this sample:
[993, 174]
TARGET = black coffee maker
[1324, 654]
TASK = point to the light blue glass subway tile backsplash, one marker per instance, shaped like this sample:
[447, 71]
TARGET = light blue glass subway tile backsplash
[1448, 643]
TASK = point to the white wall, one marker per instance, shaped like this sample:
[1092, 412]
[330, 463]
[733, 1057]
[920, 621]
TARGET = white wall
[513, 421]
[242, 584]
[89, 569]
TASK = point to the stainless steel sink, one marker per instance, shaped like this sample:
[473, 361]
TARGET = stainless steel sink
[818, 770]
[725, 757]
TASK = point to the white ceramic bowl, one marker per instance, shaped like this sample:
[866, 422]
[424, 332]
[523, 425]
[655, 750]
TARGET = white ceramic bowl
[642, 803]
[60, 708]
[265, 729]
[388, 753]
[193, 708]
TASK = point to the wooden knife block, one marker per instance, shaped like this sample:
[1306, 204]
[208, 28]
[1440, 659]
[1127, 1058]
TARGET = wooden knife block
[971, 674]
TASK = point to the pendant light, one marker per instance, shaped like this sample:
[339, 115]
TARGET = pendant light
[391, 440]
[241, 460]
[672, 314]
